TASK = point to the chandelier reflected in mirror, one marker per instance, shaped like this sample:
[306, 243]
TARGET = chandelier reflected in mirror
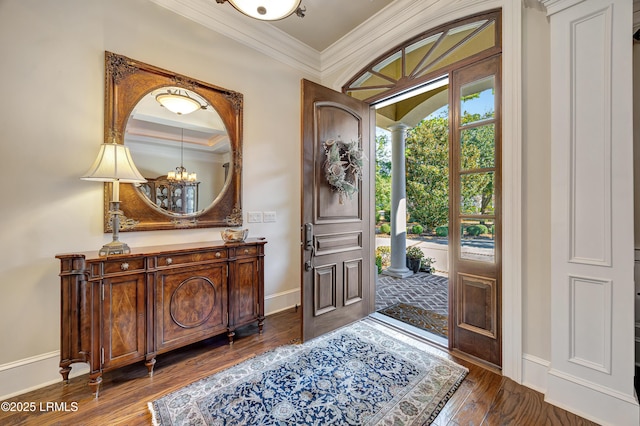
[181, 174]
[267, 10]
[178, 191]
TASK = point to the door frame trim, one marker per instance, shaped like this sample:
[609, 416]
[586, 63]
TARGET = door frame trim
[512, 350]
[512, 190]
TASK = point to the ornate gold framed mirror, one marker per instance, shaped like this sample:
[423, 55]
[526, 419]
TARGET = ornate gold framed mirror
[191, 158]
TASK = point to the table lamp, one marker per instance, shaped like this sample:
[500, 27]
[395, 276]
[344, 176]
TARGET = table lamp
[114, 164]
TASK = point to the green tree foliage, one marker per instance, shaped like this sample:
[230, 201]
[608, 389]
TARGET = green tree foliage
[427, 168]
[383, 173]
[478, 151]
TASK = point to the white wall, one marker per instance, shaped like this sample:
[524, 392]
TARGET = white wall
[536, 207]
[51, 124]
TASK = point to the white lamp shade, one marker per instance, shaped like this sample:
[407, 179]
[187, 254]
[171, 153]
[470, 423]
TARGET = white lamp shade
[177, 103]
[266, 10]
[114, 163]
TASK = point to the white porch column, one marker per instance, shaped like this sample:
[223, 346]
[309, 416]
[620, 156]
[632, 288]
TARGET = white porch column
[398, 266]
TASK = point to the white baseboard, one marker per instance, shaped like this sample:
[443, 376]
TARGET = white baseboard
[534, 372]
[589, 400]
[281, 301]
[33, 373]
[597, 403]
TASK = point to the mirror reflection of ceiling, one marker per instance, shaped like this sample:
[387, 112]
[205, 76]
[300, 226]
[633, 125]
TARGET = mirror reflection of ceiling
[162, 141]
[150, 122]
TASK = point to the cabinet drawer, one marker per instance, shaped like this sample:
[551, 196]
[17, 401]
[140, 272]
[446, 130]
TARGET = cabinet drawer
[246, 251]
[116, 266]
[186, 258]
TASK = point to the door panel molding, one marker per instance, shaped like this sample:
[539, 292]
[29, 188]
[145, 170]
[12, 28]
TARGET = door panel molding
[352, 271]
[324, 289]
[590, 188]
[337, 242]
[590, 332]
[475, 317]
[328, 207]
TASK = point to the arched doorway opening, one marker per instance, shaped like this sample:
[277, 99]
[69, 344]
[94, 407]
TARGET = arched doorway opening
[438, 96]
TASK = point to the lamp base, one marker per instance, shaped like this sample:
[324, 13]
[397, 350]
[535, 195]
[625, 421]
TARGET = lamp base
[114, 247]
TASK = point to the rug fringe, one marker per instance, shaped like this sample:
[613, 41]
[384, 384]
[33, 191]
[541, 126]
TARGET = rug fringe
[446, 398]
[154, 419]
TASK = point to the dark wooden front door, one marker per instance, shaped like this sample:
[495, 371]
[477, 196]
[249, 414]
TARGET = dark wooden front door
[337, 281]
[475, 215]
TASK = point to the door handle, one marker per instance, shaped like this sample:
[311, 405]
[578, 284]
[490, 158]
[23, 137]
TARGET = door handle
[308, 236]
[308, 244]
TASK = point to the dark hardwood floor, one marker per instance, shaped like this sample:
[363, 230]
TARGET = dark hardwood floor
[484, 398]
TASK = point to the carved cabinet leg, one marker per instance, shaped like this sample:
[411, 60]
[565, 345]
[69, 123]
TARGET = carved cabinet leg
[150, 363]
[260, 324]
[65, 369]
[230, 335]
[94, 382]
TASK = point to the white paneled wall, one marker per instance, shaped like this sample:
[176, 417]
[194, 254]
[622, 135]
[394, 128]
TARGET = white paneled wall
[592, 357]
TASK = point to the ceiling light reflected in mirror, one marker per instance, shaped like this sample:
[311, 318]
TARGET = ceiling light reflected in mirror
[179, 102]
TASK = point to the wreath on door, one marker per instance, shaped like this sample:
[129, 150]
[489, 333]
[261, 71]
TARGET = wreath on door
[343, 166]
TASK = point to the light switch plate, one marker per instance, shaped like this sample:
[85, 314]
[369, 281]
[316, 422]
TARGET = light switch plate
[269, 216]
[254, 217]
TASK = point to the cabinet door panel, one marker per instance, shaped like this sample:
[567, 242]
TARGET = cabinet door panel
[245, 297]
[123, 320]
[191, 304]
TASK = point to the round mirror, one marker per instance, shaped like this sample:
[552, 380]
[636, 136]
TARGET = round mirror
[185, 154]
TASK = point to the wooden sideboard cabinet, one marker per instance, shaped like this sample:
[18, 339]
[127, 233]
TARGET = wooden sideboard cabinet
[123, 309]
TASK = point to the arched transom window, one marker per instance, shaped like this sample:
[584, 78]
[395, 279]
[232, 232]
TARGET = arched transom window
[428, 56]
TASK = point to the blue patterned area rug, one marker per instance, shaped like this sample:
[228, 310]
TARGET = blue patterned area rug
[362, 374]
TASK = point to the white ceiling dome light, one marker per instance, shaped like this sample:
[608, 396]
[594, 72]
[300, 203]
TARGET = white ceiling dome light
[267, 10]
[178, 103]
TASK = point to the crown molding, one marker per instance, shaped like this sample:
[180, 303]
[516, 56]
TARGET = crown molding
[400, 20]
[264, 38]
[388, 24]
[555, 6]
